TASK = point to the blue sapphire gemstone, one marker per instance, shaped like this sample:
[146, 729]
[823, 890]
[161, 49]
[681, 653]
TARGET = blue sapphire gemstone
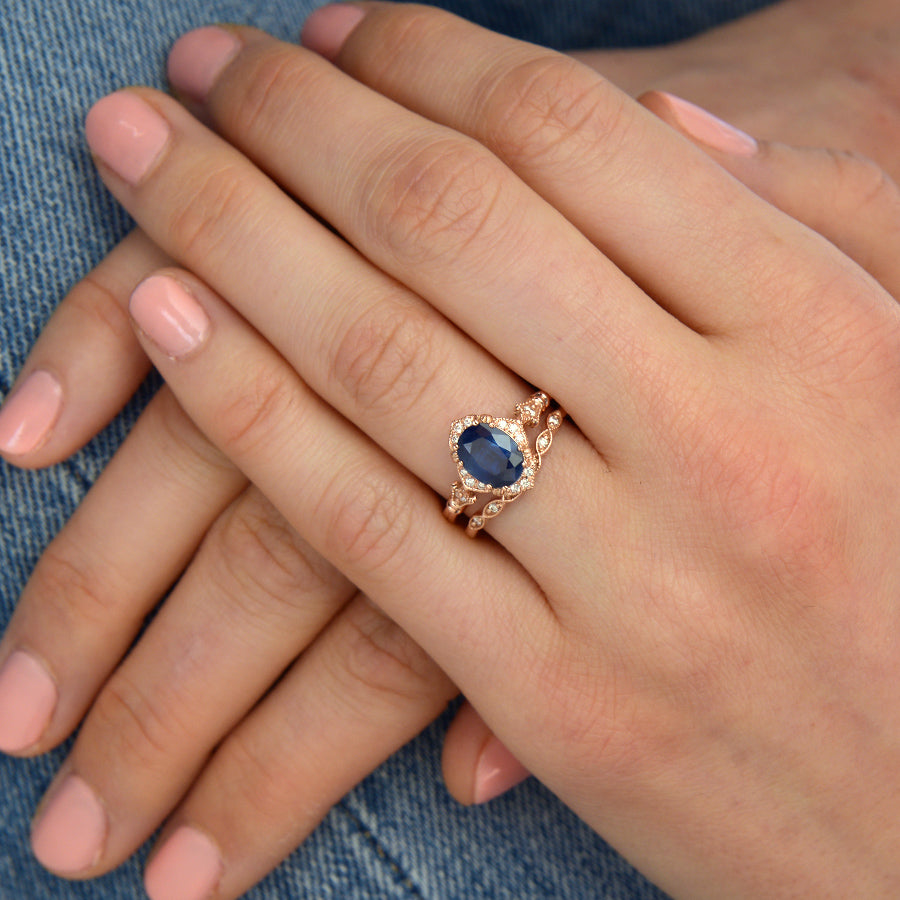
[490, 455]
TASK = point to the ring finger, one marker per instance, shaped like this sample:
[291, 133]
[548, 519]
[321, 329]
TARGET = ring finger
[356, 505]
[253, 597]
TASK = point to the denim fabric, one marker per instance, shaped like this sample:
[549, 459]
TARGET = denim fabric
[578, 24]
[397, 835]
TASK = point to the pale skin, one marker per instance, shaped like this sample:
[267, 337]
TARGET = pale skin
[814, 73]
[627, 467]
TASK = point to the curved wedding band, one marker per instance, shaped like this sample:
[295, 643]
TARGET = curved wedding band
[493, 456]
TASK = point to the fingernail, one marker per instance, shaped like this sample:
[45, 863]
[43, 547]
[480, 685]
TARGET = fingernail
[188, 866]
[497, 771]
[28, 697]
[326, 29]
[127, 134]
[197, 59]
[68, 837]
[169, 315]
[28, 416]
[710, 130]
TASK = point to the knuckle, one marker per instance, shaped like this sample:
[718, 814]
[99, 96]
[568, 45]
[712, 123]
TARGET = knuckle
[135, 727]
[180, 450]
[377, 658]
[261, 564]
[387, 360]
[76, 590]
[862, 187]
[258, 781]
[102, 303]
[775, 495]
[369, 521]
[219, 202]
[435, 200]
[799, 521]
[256, 410]
[394, 30]
[545, 103]
[263, 88]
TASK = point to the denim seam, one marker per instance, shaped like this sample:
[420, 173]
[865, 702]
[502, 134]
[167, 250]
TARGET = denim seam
[400, 875]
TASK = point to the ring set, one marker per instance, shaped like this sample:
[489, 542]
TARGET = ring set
[493, 456]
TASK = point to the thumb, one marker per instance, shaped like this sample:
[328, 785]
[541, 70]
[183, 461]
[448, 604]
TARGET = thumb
[845, 197]
[477, 766]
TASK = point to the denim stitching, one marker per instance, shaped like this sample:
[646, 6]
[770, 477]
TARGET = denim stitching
[401, 877]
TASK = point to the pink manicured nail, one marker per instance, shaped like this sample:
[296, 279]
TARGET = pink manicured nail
[187, 867]
[197, 58]
[127, 134]
[710, 130]
[169, 315]
[28, 697]
[69, 836]
[28, 416]
[326, 29]
[497, 771]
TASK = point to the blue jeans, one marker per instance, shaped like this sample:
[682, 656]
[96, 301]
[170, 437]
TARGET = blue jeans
[397, 835]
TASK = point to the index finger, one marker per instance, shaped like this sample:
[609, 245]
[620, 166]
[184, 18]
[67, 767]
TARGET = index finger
[85, 364]
[636, 190]
[445, 217]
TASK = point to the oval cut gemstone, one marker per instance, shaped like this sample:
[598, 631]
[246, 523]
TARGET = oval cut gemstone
[490, 455]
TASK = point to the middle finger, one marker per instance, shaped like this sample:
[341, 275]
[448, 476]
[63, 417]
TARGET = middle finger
[369, 347]
[428, 205]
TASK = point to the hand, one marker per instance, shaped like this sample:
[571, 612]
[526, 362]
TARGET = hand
[252, 509]
[808, 72]
[839, 92]
[777, 90]
[179, 724]
[250, 560]
[742, 563]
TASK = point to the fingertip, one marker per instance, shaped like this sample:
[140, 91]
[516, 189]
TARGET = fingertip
[197, 59]
[477, 766]
[187, 866]
[28, 699]
[496, 772]
[70, 830]
[699, 124]
[169, 314]
[29, 415]
[327, 28]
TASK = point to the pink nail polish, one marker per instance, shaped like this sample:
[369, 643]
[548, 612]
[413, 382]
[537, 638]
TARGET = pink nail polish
[709, 130]
[169, 315]
[28, 416]
[69, 835]
[187, 867]
[327, 29]
[497, 771]
[127, 134]
[197, 59]
[28, 697]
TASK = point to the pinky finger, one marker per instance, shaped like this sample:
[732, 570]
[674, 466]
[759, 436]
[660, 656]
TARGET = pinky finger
[360, 692]
[85, 365]
[845, 197]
